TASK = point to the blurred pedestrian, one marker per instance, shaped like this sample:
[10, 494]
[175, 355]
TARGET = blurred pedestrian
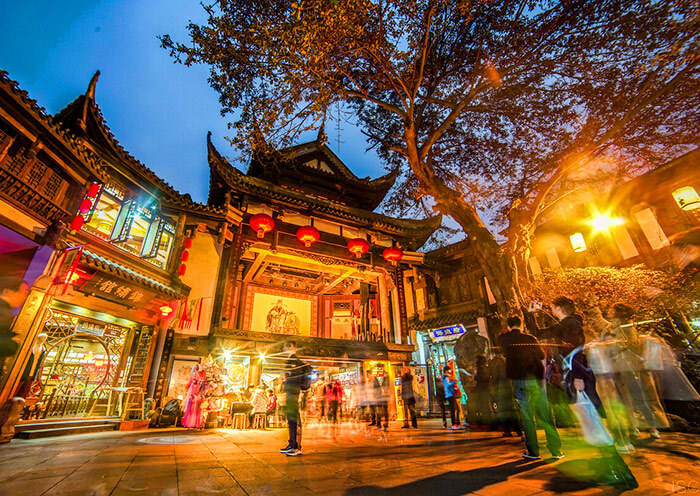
[506, 415]
[440, 397]
[524, 367]
[483, 413]
[409, 398]
[370, 399]
[292, 387]
[13, 292]
[335, 397]
[450, 383]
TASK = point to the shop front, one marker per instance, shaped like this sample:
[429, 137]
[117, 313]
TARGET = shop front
[98, 331]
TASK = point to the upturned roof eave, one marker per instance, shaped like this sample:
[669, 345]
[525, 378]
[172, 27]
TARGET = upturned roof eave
[237, 180]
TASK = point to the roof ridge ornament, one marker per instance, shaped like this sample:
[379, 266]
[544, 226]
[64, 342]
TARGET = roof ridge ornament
[89, 96]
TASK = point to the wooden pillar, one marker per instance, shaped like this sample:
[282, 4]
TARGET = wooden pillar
[384, 310]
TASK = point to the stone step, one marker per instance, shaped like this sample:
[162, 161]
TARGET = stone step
[67, 430]
[61, 423]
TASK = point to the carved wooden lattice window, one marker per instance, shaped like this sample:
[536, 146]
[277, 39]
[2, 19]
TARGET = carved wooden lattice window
[18, 162]
[53, 184]
[36, 173]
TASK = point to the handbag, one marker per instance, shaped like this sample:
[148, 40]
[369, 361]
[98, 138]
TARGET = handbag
[592, 428]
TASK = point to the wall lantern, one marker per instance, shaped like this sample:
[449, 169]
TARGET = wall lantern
[262, 224]
[182, 269]
[687, 198]
[358, 247]
[185, 256]
[85, 205]
[577, 242]
[166, 310]
[392, 254]
[77, 222]
[93, 190]
[308, 235]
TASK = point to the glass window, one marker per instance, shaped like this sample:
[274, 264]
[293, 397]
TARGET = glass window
[137, 224]
[104, 217]
[651, 229]
[158, 243]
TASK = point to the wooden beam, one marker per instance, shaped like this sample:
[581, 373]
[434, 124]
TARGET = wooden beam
[338, 280]
[256, 265]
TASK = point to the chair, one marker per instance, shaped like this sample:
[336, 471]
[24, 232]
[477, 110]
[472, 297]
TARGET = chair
[259, 420]
[134, 403]
[240, 421]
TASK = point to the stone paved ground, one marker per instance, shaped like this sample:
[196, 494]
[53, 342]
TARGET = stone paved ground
[343, 460]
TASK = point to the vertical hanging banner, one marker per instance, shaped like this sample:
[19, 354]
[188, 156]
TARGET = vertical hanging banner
[401, 293]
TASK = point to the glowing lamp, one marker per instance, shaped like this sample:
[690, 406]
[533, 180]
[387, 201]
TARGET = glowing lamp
[687, 198]
[74, 277]
[358, 247]
[182, 269]
[188, 243]
[262, 224]
[185, 255]
[392, 254]
[166, 310]
[77, 223]
[99, 363]
[308, 235]
[603, 222]
[577, 242]
[88, 357]
[93, 190]
[85, 205]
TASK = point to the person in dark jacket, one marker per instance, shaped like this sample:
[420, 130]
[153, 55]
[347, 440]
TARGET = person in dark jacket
[409, 398]
[13, 292]
[524, 367]
[506, 415]
[440, 397]
[481, 400]
[292, 388]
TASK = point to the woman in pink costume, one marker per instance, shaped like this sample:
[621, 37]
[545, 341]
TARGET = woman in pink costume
[196, 388]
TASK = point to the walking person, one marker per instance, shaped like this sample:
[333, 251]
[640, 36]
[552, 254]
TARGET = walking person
[293, 384]
[449, 385]
[409, 398]
[335, 397]
[525, 368]
[381, 403]
[370, 401]
[440, 397]
[506, 415]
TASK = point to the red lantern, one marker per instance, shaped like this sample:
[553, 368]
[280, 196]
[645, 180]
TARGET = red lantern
[85, 205]
[308, 235]
[77, 223]
[262, 224]
[358, 247]
[184, 256]
[188, 243]
[93, 190]
[392, 254]
[182, 269]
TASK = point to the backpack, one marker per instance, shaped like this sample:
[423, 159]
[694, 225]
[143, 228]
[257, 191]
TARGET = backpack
[305, 372]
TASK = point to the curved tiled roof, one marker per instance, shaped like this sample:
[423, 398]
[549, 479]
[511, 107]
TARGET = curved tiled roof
[105, 265]
[417, 230]
[84, 118]
[53, 126]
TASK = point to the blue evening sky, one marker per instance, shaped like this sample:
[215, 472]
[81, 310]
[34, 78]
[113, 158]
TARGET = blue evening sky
[159, 111]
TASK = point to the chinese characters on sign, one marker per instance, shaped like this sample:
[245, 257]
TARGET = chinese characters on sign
[117, 290]
[447, 333]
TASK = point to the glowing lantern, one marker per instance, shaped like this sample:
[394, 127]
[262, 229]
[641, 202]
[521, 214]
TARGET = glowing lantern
[85, 205]
[99, 363]
[308, 235]
[188, 243]
[93, 190]
[165, 310]
[392, 254]
[577, 242]
[358, 247]
[77, 223]
[262, 224]
[185, 256]
[74, 277]
[182, 269]
[687, 198]
[88, 357]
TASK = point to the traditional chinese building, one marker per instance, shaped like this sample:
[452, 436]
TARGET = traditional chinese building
[309, 260]
[118, 240]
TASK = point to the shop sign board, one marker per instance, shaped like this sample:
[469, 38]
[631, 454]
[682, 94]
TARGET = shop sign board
[117, 290]
[447, 333]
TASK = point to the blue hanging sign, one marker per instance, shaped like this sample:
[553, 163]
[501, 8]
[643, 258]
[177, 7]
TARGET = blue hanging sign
[447, 333]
